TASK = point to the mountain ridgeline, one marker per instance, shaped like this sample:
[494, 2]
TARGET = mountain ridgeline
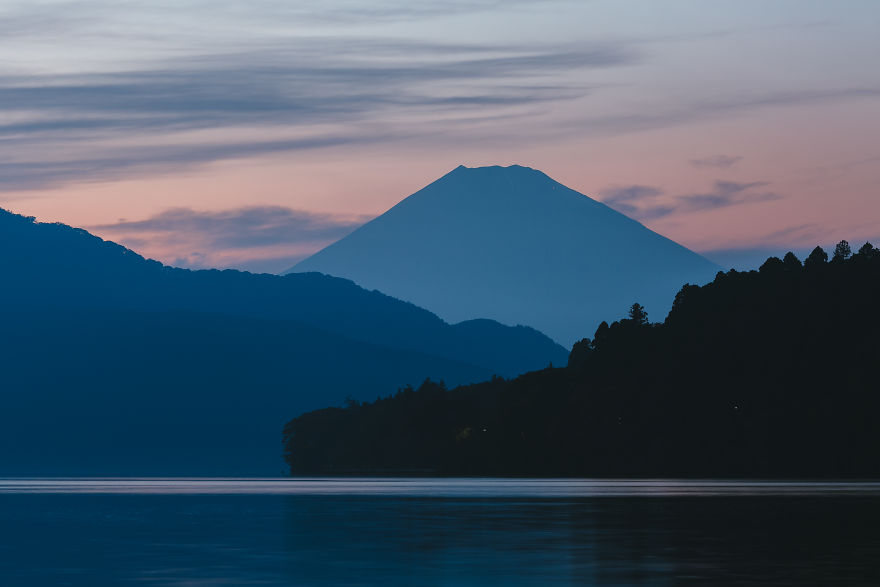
[769, 373]
[113, 364]
[511, 244]
[53, 265]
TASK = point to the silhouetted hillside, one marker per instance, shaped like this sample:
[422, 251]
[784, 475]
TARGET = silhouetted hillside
[116, 392]
[511, 244]
[765, 373]
[114, 364]
[56, 265]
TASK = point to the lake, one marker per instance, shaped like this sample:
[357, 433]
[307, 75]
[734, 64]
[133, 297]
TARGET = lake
[437, 532]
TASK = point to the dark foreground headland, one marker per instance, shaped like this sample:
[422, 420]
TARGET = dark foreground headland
[769, 373]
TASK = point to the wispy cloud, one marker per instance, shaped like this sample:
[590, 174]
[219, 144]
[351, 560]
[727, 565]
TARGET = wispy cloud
[28, 18]
[726, 194]
[233, 91]
[271, 238]
[698, 109]
[400, 10]
[647, 202]
[716, 162]
[102, 163]
[798, 233]
[635, 201]
[41, 20]
[59, 128]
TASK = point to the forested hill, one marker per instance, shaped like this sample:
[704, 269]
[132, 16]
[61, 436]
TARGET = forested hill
[770, 373]
[51, 265]
[112, 364]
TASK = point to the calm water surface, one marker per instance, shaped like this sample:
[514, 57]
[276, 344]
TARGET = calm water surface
[436, 532]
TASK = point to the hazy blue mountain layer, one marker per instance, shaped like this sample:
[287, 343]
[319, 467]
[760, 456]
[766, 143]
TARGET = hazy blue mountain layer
[56, 265]
[511, 244]
[114, 364]
[116, 392]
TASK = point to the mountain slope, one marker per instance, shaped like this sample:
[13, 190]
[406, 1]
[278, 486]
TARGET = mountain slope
[112, 364]
[117, 392]
[513, 245]
[59, 266]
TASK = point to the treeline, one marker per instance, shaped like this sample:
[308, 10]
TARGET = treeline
[769, 373]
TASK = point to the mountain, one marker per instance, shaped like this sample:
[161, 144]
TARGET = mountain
[114, 364]
[511, 244]
[55, 265]
[127, 393]
[770, 373]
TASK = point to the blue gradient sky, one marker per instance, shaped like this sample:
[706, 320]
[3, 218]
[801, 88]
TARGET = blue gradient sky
[224, 134]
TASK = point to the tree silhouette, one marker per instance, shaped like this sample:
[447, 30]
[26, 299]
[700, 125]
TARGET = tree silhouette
[842, 251]
[638, 314]
[868, 252]
[817, 257]
[601, 335]
[791, 262]
[771, 265]
[580, 352]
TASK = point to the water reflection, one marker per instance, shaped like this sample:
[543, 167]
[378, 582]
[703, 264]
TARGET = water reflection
[92, 536]
[617, 541]
[431, 487]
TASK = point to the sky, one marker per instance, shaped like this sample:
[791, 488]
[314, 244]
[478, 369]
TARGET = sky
[249, 135]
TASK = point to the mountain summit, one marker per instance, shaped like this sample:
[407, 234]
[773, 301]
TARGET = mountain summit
[512, 244]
